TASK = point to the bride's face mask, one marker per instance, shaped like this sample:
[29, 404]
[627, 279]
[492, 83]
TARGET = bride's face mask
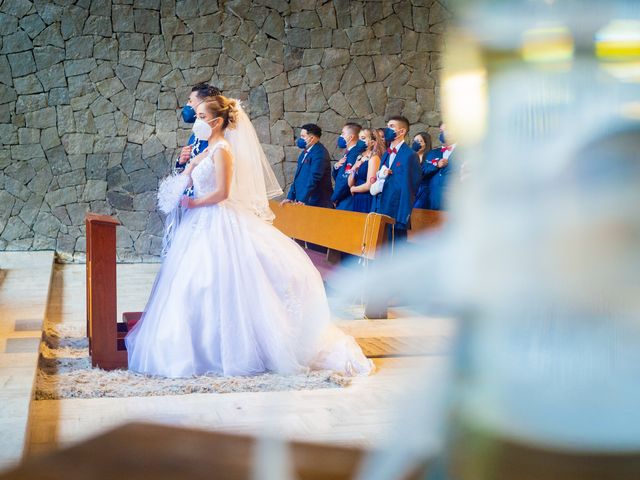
[203, 128]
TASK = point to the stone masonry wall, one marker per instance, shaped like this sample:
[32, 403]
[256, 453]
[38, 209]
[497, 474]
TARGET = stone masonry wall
[90, 92]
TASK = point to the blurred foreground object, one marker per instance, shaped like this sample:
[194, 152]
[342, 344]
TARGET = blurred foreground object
[144, 451]
[540, 257]
[549, 229]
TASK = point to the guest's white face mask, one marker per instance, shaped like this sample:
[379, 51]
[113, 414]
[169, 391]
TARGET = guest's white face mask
[201, 129]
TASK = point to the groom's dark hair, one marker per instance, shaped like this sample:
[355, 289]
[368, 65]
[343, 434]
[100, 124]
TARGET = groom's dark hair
[312, 128]
[205, 90]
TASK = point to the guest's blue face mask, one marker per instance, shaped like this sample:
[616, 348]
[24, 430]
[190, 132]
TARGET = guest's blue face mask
[301, 143]
[188, 114]
[441, 138]
[342, 143]
[389, 135]
[361, 145]
[416, 146]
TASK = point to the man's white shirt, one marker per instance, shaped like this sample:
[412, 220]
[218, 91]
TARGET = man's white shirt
[392, 156]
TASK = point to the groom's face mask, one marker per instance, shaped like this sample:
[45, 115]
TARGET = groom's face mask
[189, 110]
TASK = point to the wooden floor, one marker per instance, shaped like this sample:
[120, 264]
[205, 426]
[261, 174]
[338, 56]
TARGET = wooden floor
[361, 414]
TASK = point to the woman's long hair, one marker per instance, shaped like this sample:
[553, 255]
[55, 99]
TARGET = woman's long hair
[378, 142]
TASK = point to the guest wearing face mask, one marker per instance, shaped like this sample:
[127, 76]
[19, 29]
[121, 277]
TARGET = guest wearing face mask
[348, 139]
[195, 145]
[441, 158]
[363, 172]
[422, 146]
[312, 181]
[397, 179]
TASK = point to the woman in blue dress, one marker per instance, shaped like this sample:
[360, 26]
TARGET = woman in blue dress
[363, 172]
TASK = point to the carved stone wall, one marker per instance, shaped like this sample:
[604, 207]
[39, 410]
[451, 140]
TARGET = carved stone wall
[90, 94]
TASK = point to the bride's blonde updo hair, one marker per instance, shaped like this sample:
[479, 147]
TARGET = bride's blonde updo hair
[223, 107]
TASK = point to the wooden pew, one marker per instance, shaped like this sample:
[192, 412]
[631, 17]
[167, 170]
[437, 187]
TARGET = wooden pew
[353, 233]
[349, 232]
[425, 220]
[343, 231]
[102, 326]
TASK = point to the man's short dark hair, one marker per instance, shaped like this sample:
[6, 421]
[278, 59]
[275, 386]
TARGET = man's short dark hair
[353, 127]
[312, 128]
[401, 119]
[205, 90]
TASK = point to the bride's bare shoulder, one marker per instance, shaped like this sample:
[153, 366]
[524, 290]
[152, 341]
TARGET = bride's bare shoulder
[222, 150]
[223, 143]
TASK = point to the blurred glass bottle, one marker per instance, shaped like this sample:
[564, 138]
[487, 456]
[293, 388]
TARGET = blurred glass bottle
[544, 99]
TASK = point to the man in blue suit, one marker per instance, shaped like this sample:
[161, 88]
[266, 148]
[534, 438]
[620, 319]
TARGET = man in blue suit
[342, 198]
[312, 181]
[398, 178]
[441, 158]
[199, 94]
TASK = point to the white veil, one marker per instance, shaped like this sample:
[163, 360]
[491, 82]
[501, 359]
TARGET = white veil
[254, 182]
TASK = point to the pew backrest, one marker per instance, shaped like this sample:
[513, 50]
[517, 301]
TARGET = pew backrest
[349, 232]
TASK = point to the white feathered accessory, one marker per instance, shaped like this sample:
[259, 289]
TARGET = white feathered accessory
[170, 194]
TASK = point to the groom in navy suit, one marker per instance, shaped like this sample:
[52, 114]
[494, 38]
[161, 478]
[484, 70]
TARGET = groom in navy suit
[398, 178]
[312, 181]
[195, 146]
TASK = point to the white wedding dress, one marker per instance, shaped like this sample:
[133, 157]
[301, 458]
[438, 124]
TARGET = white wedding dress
[235, 296]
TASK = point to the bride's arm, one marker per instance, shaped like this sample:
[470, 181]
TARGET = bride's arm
[187, 173]
[224, 170]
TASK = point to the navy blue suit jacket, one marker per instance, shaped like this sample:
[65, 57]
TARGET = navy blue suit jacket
[423, 197]
[440, 181]
[399, 191]
[198, 147]
[342, 198]
[312, 181]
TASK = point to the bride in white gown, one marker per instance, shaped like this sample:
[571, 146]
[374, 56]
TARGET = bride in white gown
[235, 296]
